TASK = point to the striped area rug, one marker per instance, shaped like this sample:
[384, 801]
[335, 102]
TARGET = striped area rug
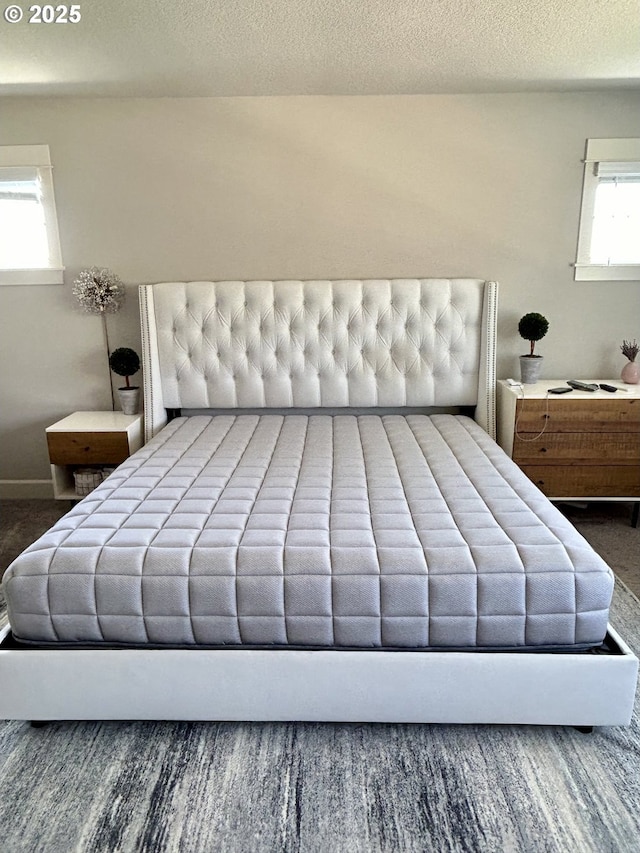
[242, 787]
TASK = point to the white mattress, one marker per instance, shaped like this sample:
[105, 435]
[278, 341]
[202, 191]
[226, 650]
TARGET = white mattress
[348, 532]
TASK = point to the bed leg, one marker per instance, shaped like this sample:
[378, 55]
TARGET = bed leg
[39, 724]
[585, 730]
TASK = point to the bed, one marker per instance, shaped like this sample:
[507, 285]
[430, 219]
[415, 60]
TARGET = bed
[320, 526]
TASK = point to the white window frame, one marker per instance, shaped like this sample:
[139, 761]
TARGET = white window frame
[601, 151]
[36, 156]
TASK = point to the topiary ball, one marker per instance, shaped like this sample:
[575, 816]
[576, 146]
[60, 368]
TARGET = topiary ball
[533, 326]
[124, 361]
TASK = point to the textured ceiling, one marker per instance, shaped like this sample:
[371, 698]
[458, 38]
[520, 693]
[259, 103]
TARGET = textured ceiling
[158, 48]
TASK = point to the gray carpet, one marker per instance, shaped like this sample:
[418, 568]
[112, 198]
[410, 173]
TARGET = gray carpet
[24, 521]
[240, 787]
[607, 527]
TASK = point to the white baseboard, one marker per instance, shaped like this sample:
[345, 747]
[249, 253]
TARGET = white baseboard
[17, 489]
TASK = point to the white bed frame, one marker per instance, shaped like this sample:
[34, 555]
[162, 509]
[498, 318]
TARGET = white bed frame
[308, 344]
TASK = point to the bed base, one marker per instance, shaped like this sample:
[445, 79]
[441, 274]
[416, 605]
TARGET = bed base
[393, 687]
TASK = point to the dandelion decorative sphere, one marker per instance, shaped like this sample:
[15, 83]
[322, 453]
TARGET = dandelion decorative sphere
[99, 291]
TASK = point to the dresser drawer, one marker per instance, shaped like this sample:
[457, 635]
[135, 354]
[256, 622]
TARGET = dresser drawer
[80, 448]
[588, 481]
[578, 415]
[583, 448]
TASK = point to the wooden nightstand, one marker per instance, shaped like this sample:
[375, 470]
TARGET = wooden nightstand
[590, 446]
[89, 439]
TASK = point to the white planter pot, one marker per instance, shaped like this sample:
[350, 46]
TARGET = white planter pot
[129, 400]
[530, 368]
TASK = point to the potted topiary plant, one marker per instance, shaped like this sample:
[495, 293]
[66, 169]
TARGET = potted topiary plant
[125, 362]
[532, 328]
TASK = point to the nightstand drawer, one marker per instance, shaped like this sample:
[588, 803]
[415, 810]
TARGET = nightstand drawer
[80, 448]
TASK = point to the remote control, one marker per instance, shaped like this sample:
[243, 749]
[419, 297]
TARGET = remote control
[562, 390]
[581, 386]
[611, 388]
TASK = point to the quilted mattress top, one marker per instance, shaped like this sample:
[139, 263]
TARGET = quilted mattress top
[348, 531]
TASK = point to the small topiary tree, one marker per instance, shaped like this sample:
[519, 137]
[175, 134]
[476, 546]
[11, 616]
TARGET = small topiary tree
[124, 362]
[532, 328]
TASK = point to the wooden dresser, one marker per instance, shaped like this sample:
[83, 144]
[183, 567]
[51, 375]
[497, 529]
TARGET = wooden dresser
[579, 445]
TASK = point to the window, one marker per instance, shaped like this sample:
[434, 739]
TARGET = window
[29, 242]
[609, 236]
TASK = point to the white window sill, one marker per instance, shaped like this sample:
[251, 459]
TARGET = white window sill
[602, 272]
[37, 276]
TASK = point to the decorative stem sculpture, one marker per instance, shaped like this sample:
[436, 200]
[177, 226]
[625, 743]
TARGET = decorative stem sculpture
[100, 291]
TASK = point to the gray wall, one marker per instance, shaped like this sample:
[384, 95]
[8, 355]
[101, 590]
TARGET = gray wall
[166, 189]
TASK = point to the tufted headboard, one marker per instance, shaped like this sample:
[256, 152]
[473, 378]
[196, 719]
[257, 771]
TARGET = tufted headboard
[301, 344]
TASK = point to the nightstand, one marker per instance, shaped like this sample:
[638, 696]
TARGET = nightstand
[583, 445]
[94, 439]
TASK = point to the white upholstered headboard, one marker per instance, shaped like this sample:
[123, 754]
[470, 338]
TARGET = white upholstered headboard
[301, 344]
